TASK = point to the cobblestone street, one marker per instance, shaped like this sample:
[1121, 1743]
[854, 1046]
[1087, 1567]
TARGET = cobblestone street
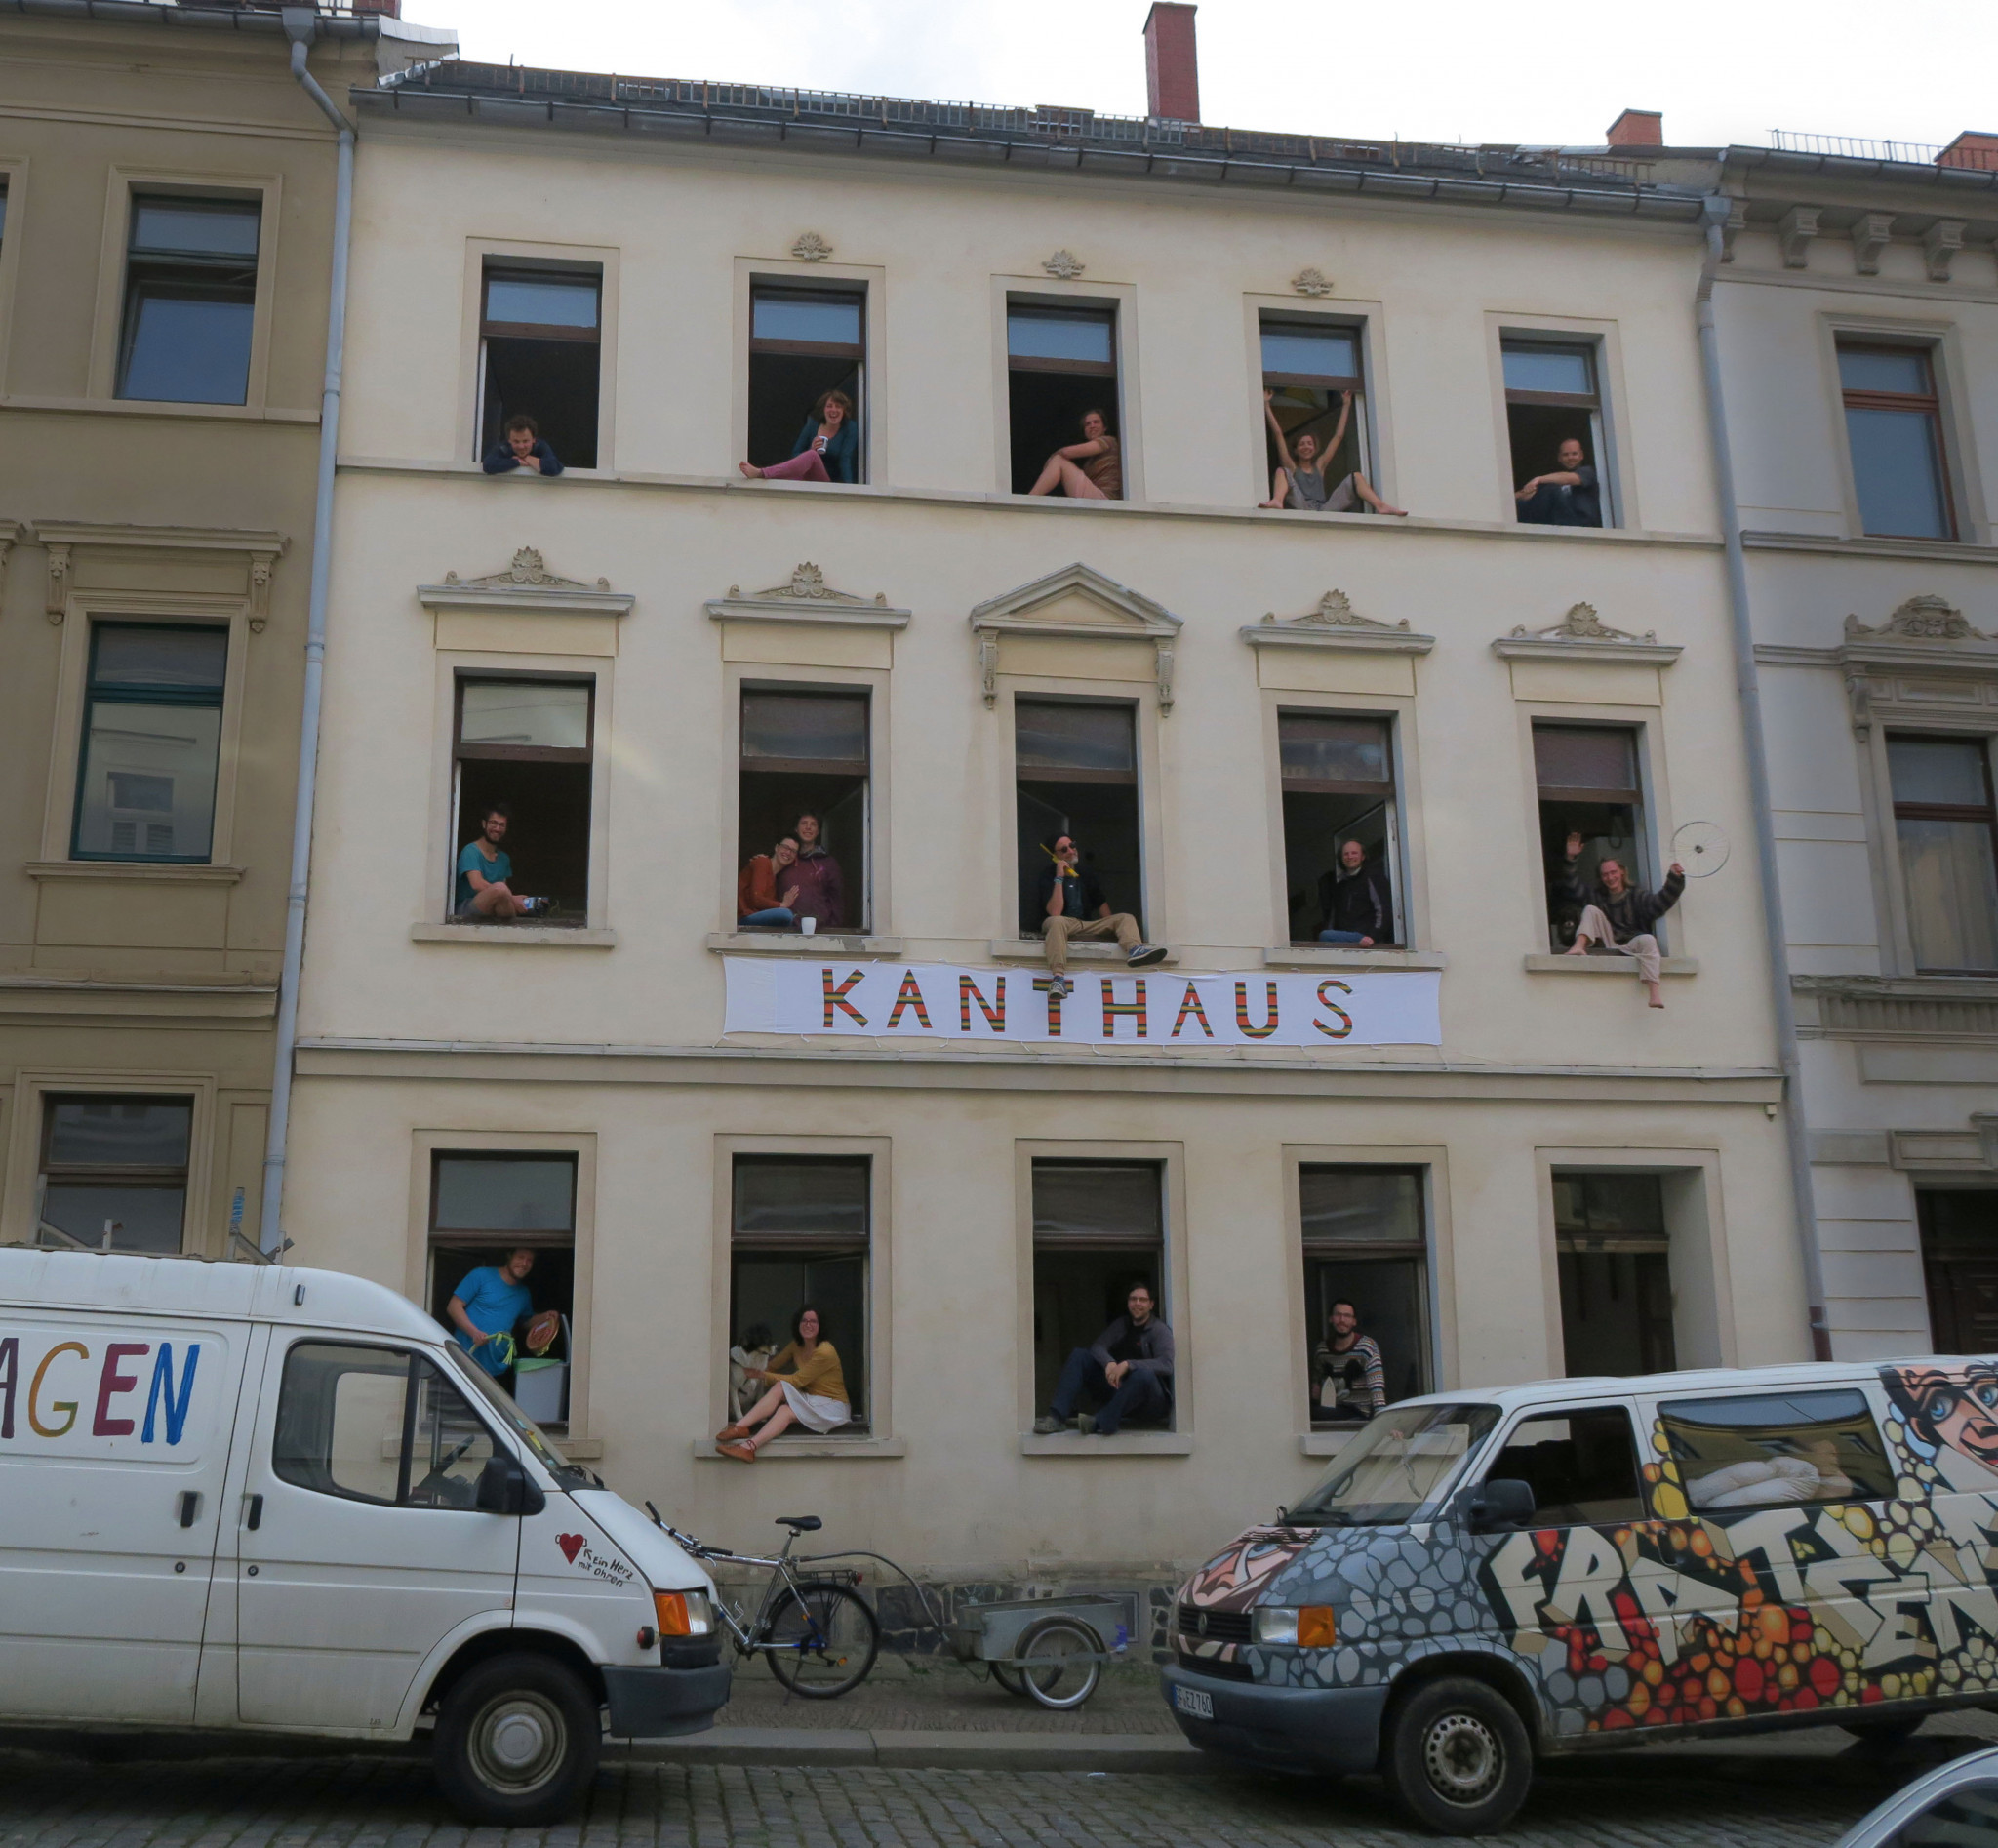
[388, 1803]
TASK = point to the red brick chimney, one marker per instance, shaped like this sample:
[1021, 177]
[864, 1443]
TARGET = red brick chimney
[1172, 72]
[1971, 149]
[1638, 128]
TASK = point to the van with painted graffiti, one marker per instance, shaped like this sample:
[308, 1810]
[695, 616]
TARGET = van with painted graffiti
[1485, 1579]
[279, 1499]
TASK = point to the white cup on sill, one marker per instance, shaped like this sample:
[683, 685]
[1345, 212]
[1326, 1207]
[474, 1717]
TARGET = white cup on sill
[808, 926]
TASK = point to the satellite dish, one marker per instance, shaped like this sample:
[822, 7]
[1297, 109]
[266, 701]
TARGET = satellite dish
[1701, 848]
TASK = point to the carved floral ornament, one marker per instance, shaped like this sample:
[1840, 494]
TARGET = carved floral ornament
[811, 248]
[1311, 282]
[807, 597]
[1333, 622]
[1923, 618]
[527, 572]
[1583, 634]
[1925, 662]
[527, 585]
[1064, 265]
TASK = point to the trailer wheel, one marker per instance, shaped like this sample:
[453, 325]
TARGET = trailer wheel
[1060, 1662]
[516, 1742]
[1457, 1758]
[1008, 1678]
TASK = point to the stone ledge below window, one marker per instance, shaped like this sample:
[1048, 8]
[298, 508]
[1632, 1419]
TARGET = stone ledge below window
[1073, 1444]
[171, 873]
[577, 1449]
[1327, 1443]
[809, 1449]
[795, 944]
[1350, 956]
[1611, 965]
[1035, 949]
[516, 935]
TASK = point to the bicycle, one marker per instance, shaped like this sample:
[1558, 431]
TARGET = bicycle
[817, 1632]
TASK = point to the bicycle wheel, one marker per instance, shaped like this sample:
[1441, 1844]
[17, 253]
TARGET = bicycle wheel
[822, 1640]
[1059, 1662]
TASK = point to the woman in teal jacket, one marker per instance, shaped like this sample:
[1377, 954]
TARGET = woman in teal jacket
[828, 449]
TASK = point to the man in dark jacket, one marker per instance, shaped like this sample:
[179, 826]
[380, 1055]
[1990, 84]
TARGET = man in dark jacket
[1355, 901]
[521, 450]
[1619, 915]
[821, 886]
[1130, 1365]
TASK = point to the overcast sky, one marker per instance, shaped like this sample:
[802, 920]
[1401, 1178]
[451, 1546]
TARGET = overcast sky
[1721, 70]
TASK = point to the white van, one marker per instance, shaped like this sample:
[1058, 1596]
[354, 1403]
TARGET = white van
[1486, 1578]
[284, 1500]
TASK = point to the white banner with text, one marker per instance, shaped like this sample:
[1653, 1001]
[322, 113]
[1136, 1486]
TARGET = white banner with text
[935, 1001]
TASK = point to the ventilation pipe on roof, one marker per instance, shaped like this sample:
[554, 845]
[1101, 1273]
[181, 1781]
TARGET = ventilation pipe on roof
[300, 27]
[1172, 68]
[1748, 688]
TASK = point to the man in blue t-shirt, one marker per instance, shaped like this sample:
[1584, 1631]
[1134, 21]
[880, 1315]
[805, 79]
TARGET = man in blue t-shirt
[490, 1303]
[484, 869]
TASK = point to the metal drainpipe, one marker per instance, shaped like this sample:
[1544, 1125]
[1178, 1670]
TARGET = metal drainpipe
[1749, 691]
[301, 26]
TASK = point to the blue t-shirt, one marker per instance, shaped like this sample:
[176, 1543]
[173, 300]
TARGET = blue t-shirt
[494, 871]
[495, 1303]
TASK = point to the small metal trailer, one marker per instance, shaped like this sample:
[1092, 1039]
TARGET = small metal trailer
[1052, 1650]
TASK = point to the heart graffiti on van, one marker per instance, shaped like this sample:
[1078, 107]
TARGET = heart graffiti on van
[584, 1557]
[571, 1545]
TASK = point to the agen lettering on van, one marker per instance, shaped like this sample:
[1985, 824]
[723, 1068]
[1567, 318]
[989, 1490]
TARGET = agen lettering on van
[66, 1383]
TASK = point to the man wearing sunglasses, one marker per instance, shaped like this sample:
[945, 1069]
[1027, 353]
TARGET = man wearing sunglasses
[1073, 907]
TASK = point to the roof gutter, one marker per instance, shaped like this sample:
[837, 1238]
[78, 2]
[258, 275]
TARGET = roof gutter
[1747, 687]
[301, 24]
[214, 19]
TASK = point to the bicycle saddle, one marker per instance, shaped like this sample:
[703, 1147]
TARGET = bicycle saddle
[800, 1523]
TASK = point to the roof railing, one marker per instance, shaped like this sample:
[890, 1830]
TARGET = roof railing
[1978, 158]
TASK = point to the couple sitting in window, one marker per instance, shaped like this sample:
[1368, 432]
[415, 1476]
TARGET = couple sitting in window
[1299, 483]
[807, 1387]
[797, 879]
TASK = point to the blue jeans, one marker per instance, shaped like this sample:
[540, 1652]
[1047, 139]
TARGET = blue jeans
[1339, 937]
[776, 914]
[1140, 1396]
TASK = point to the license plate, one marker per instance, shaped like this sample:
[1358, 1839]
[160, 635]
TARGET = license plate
[1195, 1701]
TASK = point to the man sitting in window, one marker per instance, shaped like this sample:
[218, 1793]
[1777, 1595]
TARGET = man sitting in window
[1130, 1366]
[484, 869]
[487, 1307]
[768, 889]
[522, 448]
[1073, 905]
[1569, 496]
[1355, 901]
[1619, 915]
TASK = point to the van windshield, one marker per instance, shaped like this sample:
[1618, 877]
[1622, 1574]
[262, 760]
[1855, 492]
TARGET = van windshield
[1398, 1464]
[565, 1474]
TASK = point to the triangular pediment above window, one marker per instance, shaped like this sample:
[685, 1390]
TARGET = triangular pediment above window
[1082, 604]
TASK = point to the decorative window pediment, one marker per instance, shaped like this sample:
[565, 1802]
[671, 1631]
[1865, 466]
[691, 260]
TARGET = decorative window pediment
[1582, 635]
[1333, 622]
[527, 585]
[61, 539]
[1079, 603]
[807, 598]
[1925, 663]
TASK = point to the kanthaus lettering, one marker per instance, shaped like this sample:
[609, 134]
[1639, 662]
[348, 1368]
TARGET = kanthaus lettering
[80, 1393]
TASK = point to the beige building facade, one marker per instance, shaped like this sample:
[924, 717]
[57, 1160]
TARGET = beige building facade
[1512, 1164]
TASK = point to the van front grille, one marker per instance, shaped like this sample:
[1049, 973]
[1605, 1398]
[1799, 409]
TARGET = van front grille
[1197, 1624]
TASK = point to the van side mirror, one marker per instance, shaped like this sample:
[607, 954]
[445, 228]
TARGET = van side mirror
[1502, 1502]
[503, 1488]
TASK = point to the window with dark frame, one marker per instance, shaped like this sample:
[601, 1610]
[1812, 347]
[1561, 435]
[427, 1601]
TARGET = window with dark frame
[1552, 393]
[1946, 826]
[1894, 432]
[191, 300]
[1075, 768]
[1099, 1229]
[1308, 366]
[1959, 1227]
[1061, 362]
[804, 343]
[1588, 786]
[1365, 1244]
[114, 1172]
[526, 746]
[807, 750]
[1613, 1252]
[801, 1232]
[1582, 1466]
[1338, 780]
[1779, 1449]
[540, 355]
[484, 1206]
[146, 779]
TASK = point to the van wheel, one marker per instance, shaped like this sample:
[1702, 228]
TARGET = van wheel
[1457, 1758]
[1889, 1731]
[516, 1742]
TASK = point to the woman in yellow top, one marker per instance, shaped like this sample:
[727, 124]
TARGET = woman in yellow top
[806, 1387]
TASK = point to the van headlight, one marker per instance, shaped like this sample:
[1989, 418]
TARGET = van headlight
[1307, 1627]
[684, 1613]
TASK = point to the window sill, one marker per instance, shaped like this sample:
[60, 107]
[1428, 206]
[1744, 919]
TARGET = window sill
[1034, 949]
[161, 406]
[1594, 964]
[578, 1449]
[1073, 1444]
[516, 934]
[150, 870]
[1327, 1443]
[809, 1449]
[1347, 956]
[793, 944]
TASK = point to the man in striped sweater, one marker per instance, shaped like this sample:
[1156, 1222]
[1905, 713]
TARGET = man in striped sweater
[1353, 1384]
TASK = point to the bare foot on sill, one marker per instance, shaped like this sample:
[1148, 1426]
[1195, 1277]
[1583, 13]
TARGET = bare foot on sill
[749, 473]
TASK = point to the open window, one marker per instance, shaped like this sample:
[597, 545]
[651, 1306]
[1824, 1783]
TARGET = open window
[152, 742]
[1894, 431]
[1337, 793]
[1946, 827]
[1099, 1228]
[803, 343]
[807, 752]
[484, 1207]
[1553, 398]
[523, 758]
[1062, 362]
[1308, 367]
[191, 300]
[800, 1232]
[1364, 1246]
[540, 355]
[1075, 766]
[1581, 1466]
[1588, 786]
[113, 1172]
[1615, 1255]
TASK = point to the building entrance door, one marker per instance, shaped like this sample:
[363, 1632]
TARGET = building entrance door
[1960, 1261]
